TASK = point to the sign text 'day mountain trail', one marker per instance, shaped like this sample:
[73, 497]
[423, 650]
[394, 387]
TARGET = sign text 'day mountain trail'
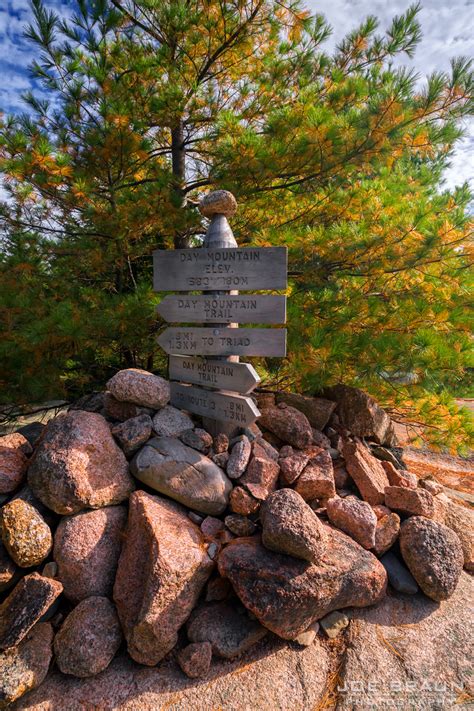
[223, 308]
[204, 269]
[223, 375]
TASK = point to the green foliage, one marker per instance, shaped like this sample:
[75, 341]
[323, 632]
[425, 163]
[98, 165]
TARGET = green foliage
[338, 157]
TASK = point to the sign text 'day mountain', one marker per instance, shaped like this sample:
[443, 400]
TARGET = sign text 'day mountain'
[242, 268]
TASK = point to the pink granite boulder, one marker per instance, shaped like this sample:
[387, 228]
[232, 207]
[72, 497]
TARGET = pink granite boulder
[354, 517]
[86, 549]
[162, 569]
[140, 387]
[14, 449]
[88, 639]
[77, 465]
[366, 471]
[288, 424]
[287, 595]
[317, 479]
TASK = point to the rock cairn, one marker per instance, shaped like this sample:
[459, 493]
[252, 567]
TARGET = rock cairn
[124, 522]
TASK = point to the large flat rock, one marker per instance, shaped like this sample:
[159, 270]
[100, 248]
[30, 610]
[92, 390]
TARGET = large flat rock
[272, 676]
[393, 656]
[410, 652]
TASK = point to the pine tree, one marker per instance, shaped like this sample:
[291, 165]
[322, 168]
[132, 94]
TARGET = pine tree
[340, 157]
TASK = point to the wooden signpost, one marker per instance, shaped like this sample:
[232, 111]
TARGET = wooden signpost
[222, 269]
[224, 341]
[242, 268]
[226, 407]
[222, 375]
[248, 308]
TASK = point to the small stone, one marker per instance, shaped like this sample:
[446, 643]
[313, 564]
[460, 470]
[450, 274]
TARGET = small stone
[399, 577]
[386, 533]
[221, 459]
[317, 409]
[140, 387]
[32, 432]
[306, 639]
[88, 639]
[122, 411]
[213, 549]
[341, 476]
[432, 486]
[92, 402]
[87, 549]
[50, 570]
[229, 633]
[261, 477]
[380, 511]
[133, 433]
[217, 589]
[78, 465]
[288, 424]
[461, 521]
[16, 440]
[411, 502]
[8, 569]
[239, 458]
[397, 477]
[361, 415]
[26, 494]
[264, 399]
[366, 471]
[162, 570]
[241, 502]
[195, 659]
[25, 666]
[211, 526]
[197, 439]
[24, 607]
[25, 534]
[291, 467]
[286, 451]
[171, 422]
[240, 525]
[386, 455]
[320, 440]
[13, 462]
[433, 554]
[220, 443]
[218, 202]
[253, 431]
[354, 517]
[195, 518]
[262, 449]
[185, 475]
[317, 479]
[291, 527]
[334, 623]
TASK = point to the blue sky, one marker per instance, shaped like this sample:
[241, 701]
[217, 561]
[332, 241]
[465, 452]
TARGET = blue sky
[447, 25]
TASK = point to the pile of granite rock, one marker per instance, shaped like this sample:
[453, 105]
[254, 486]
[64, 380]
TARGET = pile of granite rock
[124, 522]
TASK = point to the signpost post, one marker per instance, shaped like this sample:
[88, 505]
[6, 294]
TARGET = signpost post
[217, 268]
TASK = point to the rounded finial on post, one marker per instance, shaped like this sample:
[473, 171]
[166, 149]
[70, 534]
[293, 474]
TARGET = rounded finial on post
[218, 202]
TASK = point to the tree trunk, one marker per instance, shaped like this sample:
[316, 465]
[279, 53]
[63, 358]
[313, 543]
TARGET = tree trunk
[178, 163]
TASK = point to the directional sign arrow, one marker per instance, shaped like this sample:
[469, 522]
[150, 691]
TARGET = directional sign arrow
[218, 406]
[223, 309]
[240, 377]
[203, 269]
[224, 341]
